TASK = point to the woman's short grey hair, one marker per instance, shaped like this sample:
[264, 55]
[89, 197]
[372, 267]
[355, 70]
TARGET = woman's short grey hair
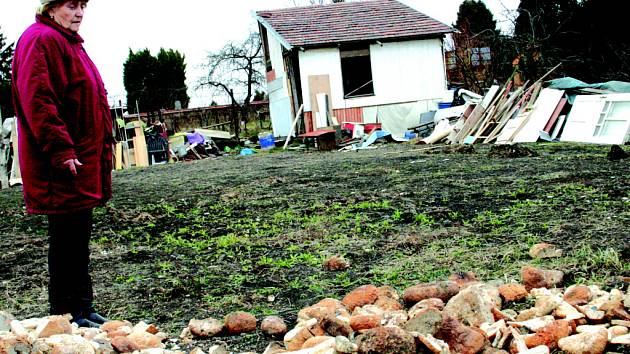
[42, 10]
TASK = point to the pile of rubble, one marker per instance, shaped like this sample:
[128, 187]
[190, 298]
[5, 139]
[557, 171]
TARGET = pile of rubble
[462, 315]
[458, 315]
[55, 334]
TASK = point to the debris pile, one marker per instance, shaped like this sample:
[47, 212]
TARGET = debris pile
[556, 110]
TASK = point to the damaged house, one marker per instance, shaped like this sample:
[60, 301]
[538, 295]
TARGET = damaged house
[376, 61]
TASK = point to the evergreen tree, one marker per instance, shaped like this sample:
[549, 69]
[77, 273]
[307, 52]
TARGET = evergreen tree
[6, 56]
[156, 82]
[475, 19]
[172, 78]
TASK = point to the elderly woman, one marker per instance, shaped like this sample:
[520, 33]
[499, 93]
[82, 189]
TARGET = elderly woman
[65, 140]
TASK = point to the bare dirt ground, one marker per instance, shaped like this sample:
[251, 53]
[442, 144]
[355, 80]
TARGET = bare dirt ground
[201, 239]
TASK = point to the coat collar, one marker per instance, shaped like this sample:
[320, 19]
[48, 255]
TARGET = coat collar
[71, 36]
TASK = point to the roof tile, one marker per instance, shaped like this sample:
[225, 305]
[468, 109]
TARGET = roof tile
[351, 22]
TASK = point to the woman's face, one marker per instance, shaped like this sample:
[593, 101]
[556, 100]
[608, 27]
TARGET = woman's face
[69, 14]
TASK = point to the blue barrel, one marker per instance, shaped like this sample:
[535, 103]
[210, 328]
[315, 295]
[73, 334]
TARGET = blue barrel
[266, 141]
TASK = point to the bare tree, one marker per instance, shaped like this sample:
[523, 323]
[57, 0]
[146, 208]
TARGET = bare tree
[236, 70]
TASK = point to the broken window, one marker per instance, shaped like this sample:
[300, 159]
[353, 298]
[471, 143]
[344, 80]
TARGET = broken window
[356, 70]
[612, 119]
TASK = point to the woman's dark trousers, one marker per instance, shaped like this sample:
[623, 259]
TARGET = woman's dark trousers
[70, 287]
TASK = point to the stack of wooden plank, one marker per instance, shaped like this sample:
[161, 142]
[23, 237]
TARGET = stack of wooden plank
[511, 115]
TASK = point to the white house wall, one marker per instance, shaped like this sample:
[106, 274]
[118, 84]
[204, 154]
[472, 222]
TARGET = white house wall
[325, 61]
[408, 71]
[279, 99]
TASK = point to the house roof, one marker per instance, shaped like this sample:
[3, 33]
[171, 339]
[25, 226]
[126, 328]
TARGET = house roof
[349, 22]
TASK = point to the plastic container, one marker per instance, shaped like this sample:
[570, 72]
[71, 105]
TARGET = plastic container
[266, 141]
[410, 135]
[442, 105]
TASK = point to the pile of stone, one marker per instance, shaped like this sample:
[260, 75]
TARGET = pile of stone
[55, 334]
[462, 315]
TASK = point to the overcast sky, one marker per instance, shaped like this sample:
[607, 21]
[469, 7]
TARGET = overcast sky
[193, 27]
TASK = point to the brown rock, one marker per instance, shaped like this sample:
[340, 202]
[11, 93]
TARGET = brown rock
[585, 343]
[112, 326]
[53, 325]
[388, 304]
[549, 335]
[273, 326]
[10, 344]
[474, 304]
[461, 339]
[437, 304]
[326, 307]
[240, 322]
[360, 322]
[615, 310]
[534, 278]
[513, 292]
[145, 340]
[503, 315]
[427, 321]
[441, 290]
[295, 338]
[335, 263]
[315, 341]
[578, 295]
[209, 327]
[463, 278]
[386, 340]
[387, 291]
[335, 326]
[124, 345]
[545, 250]
[388, 299]
[364, 295]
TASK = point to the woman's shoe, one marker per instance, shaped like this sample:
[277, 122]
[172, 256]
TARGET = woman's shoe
[84, 322]
[96, 318]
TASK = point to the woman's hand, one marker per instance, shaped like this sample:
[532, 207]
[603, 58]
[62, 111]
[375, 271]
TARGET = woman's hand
[72, 164]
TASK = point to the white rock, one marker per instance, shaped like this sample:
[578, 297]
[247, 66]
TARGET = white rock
[616, 295]
[547, 304]
[591, 328]
[585, 343]
[66, 343]
[197, 351]
[541, 349]
[568, 312]
[344, 345]
[534, 324]
[616, 331]
[434, 345]
[395, 318]
[218, 349]
[625, 340]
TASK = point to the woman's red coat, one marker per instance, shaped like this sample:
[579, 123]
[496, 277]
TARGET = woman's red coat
[63, 113]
